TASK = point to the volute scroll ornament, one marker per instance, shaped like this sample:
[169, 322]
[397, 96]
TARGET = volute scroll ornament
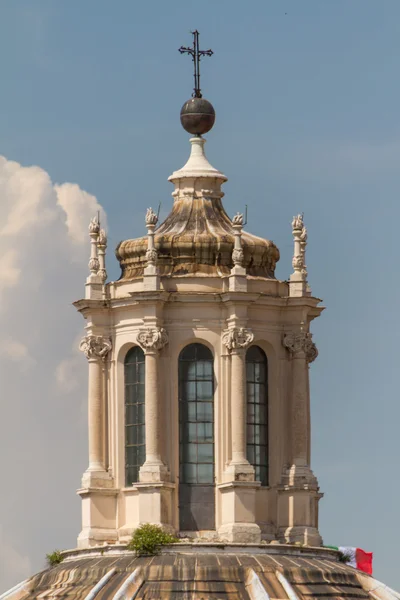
[301, 342]
[95, 346]
[237, 337]
[152, 338]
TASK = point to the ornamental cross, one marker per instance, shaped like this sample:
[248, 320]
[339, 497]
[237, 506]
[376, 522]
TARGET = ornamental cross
[196, 54]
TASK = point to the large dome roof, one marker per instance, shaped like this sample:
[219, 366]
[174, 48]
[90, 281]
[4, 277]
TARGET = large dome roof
[211, 571]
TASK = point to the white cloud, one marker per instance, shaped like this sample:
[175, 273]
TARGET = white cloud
[44, 251]
[75, 202]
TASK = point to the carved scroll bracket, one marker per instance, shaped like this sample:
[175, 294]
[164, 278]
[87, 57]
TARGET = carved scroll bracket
[152, 339]
[237, 338]
[301, 342]
[95, 346]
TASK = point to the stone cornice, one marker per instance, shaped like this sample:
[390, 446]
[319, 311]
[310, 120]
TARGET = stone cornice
[149, 296]
[85, 305]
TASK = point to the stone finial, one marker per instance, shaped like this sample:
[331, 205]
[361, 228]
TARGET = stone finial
[94, 265]
[102, 239]
[238, 219]
[303, 245]
[237, 254]
[298, 279]
[236, 338]
[151, 217]
[297, 223]
[95, 346]
[152, 339]
[301, 342]
[151, 253]
[101, 247]
[94, 225]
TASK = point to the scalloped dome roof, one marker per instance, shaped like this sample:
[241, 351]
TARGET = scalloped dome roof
[197, 237]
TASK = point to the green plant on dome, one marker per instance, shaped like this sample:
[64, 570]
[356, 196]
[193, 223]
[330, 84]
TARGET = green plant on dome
[54, 558]
[149, 538]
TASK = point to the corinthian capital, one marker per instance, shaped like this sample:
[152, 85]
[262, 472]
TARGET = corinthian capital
[95, 346]
[301, 342]
[152, 338]
[237, 337]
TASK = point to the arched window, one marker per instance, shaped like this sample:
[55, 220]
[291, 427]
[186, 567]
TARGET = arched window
[196, 439]
[257, 412]
[135, 449]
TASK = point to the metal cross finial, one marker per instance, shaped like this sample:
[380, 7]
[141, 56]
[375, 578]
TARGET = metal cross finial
[196, 54]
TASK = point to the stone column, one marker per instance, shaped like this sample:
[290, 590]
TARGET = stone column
[238, 492]
[152, 340]
[96, 349]
[238, 406]
[299, 491]
[303, 351]
[237, 340]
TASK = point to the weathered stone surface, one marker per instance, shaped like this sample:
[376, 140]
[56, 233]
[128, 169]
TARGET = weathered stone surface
[212, 572]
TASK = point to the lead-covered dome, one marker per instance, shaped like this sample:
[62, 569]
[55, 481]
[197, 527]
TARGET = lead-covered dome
[215, 571]
[197, 237]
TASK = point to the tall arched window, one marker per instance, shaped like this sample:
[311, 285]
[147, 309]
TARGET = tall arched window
[135, 449]
[257, 412]
[196, 439]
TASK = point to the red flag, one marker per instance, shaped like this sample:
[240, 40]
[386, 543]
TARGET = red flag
[364, 561]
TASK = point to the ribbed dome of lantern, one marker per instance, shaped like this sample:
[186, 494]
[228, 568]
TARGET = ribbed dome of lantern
[197, 237]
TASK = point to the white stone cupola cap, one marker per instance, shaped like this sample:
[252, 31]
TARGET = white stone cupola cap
[198, 165]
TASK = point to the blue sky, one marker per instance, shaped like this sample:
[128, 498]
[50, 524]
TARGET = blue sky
[307, 98]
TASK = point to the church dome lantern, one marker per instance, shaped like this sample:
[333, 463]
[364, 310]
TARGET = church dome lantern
[199, 410]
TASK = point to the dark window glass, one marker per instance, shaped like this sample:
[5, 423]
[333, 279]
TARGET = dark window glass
[196, 415]
[257, 412]
[135, 451]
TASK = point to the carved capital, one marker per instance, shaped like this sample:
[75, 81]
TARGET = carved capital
[237, 337]
[152, 339]
[298, 343]
[95, 346]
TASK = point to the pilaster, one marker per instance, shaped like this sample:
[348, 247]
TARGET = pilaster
[96, 349]
[298, 493]
[238, 492]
